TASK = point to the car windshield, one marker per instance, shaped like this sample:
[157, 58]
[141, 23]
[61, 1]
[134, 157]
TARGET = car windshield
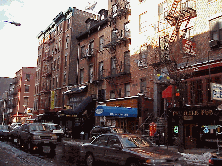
[133, 141]
[3, 127]
[37, 128]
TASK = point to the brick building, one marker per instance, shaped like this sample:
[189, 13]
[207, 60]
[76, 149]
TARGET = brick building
[22, 89]
[57, 60]
[107, 72]
[190, 46]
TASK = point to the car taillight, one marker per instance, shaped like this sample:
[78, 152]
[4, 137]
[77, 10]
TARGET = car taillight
[211, 161]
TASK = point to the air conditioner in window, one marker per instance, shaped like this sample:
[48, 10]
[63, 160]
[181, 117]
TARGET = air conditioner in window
[214, 43]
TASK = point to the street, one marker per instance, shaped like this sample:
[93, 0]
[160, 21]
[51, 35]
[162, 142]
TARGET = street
[66, 154]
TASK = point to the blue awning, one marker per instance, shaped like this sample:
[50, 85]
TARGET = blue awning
[115, 111]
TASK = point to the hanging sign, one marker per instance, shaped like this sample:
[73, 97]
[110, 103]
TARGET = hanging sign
[216, 91]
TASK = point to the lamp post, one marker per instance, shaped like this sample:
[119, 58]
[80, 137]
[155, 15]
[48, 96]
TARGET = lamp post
[15, 23]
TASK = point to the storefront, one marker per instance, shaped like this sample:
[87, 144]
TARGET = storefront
[116, 116]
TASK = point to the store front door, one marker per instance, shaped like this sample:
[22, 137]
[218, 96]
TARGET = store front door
[191, 135]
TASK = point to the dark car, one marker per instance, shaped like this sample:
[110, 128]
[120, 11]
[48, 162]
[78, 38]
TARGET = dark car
[34, 136]
[129, 150]
[216, 158]
[13, 134]
[4, 132]
[98, 130]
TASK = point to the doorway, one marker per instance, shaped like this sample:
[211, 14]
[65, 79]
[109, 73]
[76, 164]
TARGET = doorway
[191, 135]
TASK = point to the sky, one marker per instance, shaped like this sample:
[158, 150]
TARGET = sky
[19, 44]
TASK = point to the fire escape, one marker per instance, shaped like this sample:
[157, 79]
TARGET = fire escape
[118, 37]
[180, 13]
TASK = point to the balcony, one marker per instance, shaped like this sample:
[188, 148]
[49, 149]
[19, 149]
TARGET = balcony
[118, 38]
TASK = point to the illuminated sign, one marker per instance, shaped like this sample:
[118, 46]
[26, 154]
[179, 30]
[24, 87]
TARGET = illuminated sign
[175, 130]
[216, 91]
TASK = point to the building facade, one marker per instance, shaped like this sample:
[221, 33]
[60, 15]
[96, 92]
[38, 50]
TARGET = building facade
[57, 60]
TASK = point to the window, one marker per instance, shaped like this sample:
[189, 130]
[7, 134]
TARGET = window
[26, 101]
[112, 94]
[26, 88]
[68, 23]
[54, 65]
[64, 78]
[83, 52]
[91, 73]
[113, 66]
[66, 59]
[216, 29]
[114, 34]
[101, 70]
[101, 43]
[27, 77]
[67, 42]
[143, 21]
[143, 85]
[127, 89]
[127, 32]
[91, 48]
[58, 64]
[114, 10]
[127, 62]
[101, 141]
[81, 76]
[57, 81]
[113, 140]
[102, 95]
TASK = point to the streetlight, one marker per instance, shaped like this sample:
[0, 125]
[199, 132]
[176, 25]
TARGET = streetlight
[15, 23]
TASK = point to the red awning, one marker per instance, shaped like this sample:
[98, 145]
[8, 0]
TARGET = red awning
[167, 92]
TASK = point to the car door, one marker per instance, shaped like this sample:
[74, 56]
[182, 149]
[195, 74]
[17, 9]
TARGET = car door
[113, 152]
[98, 147]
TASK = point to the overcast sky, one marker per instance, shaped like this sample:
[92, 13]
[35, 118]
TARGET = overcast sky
[19, 44]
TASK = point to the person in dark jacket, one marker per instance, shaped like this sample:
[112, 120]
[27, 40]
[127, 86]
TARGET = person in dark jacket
[157, 137]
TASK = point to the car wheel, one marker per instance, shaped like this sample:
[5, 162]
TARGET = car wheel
[89, 160]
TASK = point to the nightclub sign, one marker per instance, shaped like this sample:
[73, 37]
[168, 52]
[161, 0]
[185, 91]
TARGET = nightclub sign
[216, 91]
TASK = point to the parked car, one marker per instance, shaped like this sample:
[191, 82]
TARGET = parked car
[34, 136]
[56, 129]
[127, 149]
[216, 158]
[98, 130]
[13, 134]
[4, 132]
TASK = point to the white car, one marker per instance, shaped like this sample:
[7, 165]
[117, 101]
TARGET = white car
[55, 128]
